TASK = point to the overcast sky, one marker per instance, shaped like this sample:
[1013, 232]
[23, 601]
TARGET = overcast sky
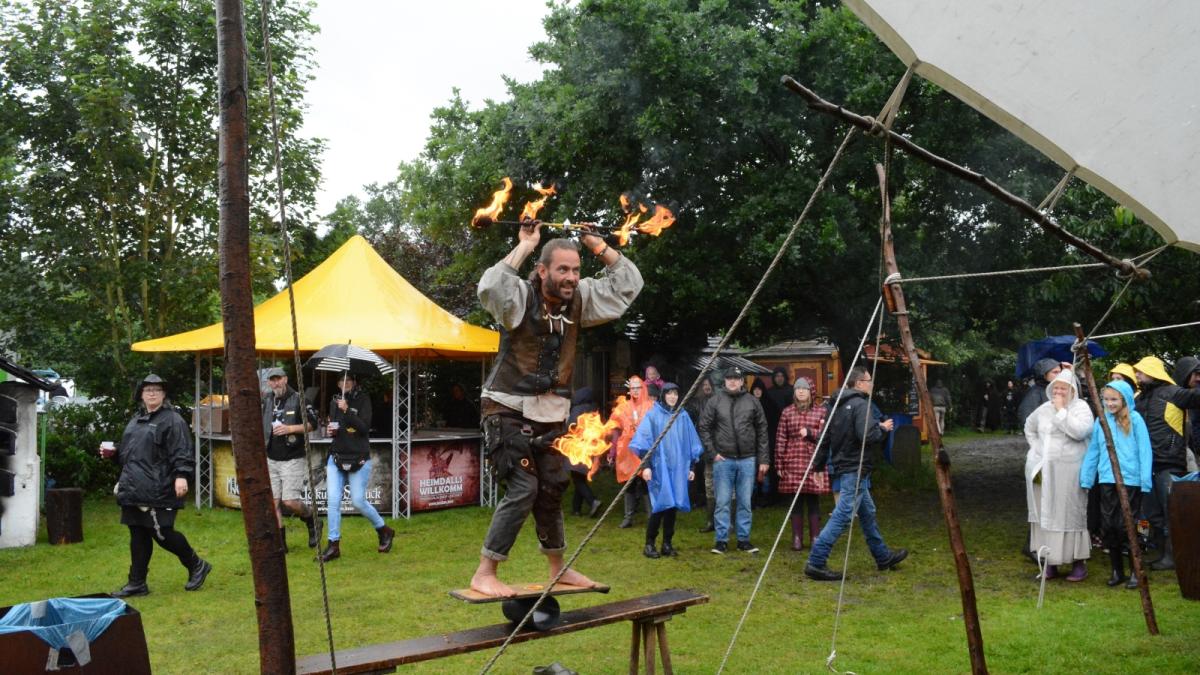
[382, 66]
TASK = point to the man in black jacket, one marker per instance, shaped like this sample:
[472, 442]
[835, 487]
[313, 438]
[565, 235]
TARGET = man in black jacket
[1161, 404]
[285, 422]
[733, 428]
[852, 438]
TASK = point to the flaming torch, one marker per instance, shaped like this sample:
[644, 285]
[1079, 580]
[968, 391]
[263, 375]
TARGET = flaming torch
[586, 440]
[531, 208]
[485, 216]
[661, 220]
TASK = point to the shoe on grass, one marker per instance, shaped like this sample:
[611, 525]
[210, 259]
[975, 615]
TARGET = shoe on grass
[892, 560]
[747, 547]
[821, 573]
[720, 547]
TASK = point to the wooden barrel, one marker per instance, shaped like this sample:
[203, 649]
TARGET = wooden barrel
[64, 515]
[1185, 536]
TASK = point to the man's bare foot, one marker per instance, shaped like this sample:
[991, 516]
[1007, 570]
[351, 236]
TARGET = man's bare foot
[575, 579]
[491, 586]
[486, 582]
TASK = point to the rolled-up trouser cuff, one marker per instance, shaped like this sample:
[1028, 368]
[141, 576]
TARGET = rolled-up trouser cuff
[552, 551]
[492, 555]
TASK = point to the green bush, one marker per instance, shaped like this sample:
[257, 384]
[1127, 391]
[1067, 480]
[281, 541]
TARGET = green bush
[74, 433]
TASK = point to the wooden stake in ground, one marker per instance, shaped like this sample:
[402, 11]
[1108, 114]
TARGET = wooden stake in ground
[941, 460]
[276, 643]
[1135, 551]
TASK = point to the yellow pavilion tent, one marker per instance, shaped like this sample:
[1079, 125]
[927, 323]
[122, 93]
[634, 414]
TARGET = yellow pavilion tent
[353, 296]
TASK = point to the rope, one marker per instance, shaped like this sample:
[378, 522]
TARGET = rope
[862, 452]
[787, 516]
[897, 279]
[287, 268]
[1051, 199]
[1043, 561]
[1144, 330]
[687, 397]
[1138, 260]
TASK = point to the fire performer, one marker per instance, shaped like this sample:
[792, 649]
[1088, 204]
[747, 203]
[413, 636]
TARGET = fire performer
[526, 398]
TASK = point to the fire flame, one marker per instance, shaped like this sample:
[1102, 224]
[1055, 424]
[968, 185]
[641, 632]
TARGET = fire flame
[587, 439]
[531, 208]
[499, 199]
[661, 220]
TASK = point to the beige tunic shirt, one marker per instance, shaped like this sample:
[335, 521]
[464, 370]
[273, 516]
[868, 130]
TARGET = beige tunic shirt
[505, 296]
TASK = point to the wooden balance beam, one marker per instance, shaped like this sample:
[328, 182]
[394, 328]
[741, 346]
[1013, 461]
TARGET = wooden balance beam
[648, 615]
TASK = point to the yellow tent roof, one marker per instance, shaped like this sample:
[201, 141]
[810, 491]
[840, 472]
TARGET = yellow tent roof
[354, 296]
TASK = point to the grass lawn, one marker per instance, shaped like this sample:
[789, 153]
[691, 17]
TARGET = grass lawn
[905, 621]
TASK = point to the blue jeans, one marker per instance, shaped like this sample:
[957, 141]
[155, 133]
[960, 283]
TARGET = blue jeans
[730, 475]
[843, 517]
[335, 486]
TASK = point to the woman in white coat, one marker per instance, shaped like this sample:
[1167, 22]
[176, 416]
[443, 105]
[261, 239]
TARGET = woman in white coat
[1058, 433]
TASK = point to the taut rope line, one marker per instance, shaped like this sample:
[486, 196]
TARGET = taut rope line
[783, 247]
[779, 535]
[287, 268]
[862, 452]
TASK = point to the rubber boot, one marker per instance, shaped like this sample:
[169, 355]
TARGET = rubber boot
[135, 586]
[1117, 560]
[814, 527]
[333, 550]
[314, 531]
[797, 532]
[1167, 561]
[630, 507]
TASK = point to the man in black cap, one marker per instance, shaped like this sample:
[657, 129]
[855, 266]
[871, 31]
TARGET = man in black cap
[1044, 370]
[733, 428]
[284, 424]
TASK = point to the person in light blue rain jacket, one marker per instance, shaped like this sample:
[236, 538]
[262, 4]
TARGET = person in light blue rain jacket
[1131, 439]
[670, 467]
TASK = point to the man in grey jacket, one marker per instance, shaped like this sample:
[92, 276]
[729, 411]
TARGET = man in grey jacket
[733, 428]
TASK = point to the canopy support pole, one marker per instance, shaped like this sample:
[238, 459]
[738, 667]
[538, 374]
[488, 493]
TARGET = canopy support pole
[894, 294]
[1135, 549]
[1043, 219]
[276, 640]
[196, 431]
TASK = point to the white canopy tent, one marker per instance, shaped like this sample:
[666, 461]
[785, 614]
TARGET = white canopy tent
[1108, 90]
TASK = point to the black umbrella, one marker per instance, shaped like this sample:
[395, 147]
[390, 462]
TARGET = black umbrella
[349, 358]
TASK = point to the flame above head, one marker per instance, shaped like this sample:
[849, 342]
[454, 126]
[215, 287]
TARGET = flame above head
[493, 210]
[631, 220]
[586, 440]
[531, 208]
[661, 220]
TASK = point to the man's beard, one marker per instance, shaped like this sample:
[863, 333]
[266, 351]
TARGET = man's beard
[556, 290]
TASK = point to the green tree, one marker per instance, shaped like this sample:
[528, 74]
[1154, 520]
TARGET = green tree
[680, 102]
[108, 173]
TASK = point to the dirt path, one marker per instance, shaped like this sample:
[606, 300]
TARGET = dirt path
[988, 474]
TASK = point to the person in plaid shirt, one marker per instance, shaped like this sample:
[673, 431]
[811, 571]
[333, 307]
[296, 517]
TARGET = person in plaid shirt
[795, 444]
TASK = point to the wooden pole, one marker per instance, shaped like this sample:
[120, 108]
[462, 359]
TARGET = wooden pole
[276, 643]
[1135, 551]
[1042, 218]
[941, 460]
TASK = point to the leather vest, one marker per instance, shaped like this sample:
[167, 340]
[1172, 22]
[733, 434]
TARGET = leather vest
[539, 354]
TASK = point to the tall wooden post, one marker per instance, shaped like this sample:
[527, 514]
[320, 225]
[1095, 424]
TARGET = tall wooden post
[1135, 550]
[276, 643]
[941, 460]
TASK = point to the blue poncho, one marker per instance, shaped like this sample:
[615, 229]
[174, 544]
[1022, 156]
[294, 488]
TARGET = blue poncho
[673, 459]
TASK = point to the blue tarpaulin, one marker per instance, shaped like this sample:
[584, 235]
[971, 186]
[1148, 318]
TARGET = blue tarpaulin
[56, 619]
[1057, 347]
